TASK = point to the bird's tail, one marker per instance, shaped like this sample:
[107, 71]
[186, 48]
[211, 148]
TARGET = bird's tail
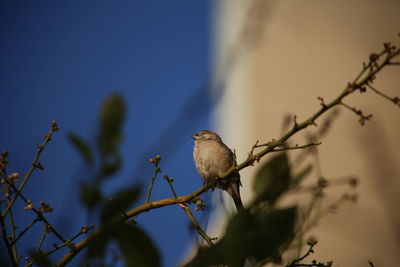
[233, 190]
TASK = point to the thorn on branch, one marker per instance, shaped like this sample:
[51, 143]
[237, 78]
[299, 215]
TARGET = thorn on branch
[322, 102]
[295, 124]
[39, 166]
[252, 149]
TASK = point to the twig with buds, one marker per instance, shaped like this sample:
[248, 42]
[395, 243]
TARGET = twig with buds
[156, 161]
[35, 165]
[189, 214]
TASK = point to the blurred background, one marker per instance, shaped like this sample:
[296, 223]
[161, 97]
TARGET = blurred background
[237, 67]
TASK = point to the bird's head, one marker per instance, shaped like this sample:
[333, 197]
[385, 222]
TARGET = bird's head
[206, 135]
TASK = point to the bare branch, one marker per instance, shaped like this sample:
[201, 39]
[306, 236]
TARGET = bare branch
[35, 165]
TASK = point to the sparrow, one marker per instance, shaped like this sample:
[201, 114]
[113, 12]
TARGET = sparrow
[213, 159]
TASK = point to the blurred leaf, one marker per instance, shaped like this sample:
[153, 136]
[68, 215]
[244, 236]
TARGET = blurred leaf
[90, 195]
[257, 236]
[111, 163]
[97, 248]
[272, 179]
[136, 246]
[40, 259]
[119, 204]
[112, 115]
[301, 175]
[82, 147]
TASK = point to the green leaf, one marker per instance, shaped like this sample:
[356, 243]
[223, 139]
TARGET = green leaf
[272, 179]
[301, 175]
[136, 246]
[256, 236]
[119, 204]
[82, 147]
[112, 115]
[40, 259]
[90, 195]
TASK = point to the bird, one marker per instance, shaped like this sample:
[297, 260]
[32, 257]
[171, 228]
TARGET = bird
[213, 159]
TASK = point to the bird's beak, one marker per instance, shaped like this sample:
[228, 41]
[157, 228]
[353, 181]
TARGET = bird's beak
[194, 136]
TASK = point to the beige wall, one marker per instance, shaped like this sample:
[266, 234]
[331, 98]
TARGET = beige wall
[277, 61]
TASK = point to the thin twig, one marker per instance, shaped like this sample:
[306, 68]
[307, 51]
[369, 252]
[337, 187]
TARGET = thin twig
[68, 242]
[359, 113]
[395, 100]
[308, 253]
[42, 238]
[314, 263]
[196, 224]
[189, 214]
[156, 171]
[25, 230]
[7, 243]
[170, 181]
[39, 214]
[13, 228]
[35, 165]
[296, 147]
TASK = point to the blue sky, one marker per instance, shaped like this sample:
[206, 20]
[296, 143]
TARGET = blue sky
[60, 59]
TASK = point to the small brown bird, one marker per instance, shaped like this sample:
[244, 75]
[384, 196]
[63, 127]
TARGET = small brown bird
[213, 158]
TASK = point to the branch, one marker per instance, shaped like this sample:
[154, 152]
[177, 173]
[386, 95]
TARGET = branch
[366, 76]
[196, 224]
[395, 100]
[308, 253]
[359, 113]
[157, 170]
[314, 263]
[296, 147]
[69, 243]
[7, 243]
[39, 213]
[189, 214]
[35, 165]
[25, 230]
